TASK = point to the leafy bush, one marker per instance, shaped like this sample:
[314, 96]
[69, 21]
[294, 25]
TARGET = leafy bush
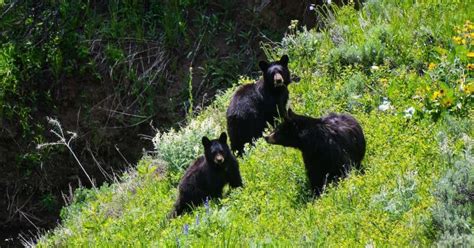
[452, 212]
[179, 148]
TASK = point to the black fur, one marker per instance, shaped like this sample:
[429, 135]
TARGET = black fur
[255, 105]
[208, 175]
[330, 145]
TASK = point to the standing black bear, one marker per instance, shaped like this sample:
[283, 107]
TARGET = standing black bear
[207, 176]
[255, 105]
[330, 145]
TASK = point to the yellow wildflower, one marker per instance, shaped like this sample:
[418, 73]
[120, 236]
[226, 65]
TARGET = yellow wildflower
[468, 25]
[469, 88]
[472, 35]
[470, 67]
[437, 94]
[457, 39]
[463, 41]
[470, 54]
[431, 66]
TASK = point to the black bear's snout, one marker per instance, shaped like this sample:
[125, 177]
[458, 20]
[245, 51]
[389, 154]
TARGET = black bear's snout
[278, 78]
[219, 159]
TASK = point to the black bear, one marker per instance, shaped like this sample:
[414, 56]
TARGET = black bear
[255, 105]
[330, 145]
[208, 175]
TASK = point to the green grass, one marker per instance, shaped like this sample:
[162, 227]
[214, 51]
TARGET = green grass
[359, 62]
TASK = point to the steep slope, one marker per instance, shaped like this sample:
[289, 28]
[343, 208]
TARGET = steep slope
[404, 71]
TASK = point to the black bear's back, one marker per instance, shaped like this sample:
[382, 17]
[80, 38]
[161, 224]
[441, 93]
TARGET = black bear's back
[330, 146]
[189, 189]
[245, 119]
[348, 134]
[194, 168]
[244, 101]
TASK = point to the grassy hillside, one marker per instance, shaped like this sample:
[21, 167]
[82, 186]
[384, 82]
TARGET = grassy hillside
[404, 71]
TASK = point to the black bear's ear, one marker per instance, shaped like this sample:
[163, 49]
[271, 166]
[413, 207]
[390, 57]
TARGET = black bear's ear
[223, 138]
[206, 142]
[284, 60]
[263, 65]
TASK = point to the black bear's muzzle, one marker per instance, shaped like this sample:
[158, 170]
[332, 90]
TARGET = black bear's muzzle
[278, 79]
[219, 159]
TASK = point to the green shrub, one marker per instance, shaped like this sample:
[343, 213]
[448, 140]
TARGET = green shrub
[179, 148]
[453, 210]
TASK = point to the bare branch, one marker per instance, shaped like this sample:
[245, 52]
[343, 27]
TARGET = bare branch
[62, 141]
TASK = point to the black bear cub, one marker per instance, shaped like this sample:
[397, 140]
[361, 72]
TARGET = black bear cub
[255, 105]
[330, 145]
[208, 175]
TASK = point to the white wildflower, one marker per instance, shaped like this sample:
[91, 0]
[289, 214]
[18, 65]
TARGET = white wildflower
[386, 105]
[409, 112]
